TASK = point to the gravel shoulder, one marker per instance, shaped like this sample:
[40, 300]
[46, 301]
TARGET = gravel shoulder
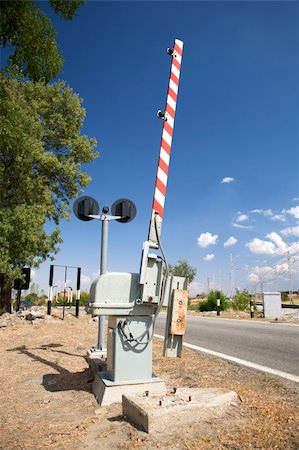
[46, 399]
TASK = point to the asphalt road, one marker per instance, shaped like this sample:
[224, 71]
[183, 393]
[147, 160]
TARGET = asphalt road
[272, 345]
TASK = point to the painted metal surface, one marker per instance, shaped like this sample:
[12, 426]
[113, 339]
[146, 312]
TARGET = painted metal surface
[179, 312]
[166, 140]
[115, 289]
[272, 305]
[126, 360]
[151, 290]
[173, 343]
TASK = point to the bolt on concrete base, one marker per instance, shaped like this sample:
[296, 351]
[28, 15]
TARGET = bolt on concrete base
[156, 412]
[107, 391]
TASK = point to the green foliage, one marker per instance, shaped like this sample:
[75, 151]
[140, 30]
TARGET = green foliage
[241, 301]
[193, 306]
[36, 299]
[84, 299]
[183, 269]
[41, 155]
[211, 303]
[66, 8]
[29, 33]
[41, 146]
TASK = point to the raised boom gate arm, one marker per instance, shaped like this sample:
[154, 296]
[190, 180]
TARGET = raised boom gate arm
[132, 301]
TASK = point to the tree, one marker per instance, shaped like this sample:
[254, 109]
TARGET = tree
[41, 155]
[42, 148]
[183, 269]
[241, 300]
[29, 34]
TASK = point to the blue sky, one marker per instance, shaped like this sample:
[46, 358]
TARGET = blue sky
[234, 162]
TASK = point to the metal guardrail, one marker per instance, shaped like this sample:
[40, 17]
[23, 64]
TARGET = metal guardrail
[283, 305]
[289, 305]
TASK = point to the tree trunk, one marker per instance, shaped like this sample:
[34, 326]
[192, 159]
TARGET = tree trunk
[5, 295]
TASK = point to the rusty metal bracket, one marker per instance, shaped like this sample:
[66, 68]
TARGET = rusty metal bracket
[176, 323]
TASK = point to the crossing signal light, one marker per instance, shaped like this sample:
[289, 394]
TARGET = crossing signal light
[84, 207]
[124, 208]
[23, 284]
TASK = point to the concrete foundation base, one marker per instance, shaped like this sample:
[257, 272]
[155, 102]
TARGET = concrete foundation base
[97, 360]
[154, 412]
[107, 391]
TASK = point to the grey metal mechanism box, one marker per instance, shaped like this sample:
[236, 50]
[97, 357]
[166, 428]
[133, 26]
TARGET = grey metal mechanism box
[272, 305]
[129, 360]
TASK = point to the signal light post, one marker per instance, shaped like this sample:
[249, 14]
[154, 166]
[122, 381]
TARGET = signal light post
[20, 285]
[123, 210]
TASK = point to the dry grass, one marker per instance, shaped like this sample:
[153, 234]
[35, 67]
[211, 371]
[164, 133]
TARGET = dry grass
[46, 400]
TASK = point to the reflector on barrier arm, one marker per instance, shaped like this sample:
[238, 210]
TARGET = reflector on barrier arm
[179, 312]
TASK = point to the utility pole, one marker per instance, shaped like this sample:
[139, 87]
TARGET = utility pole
[220, 280]
[290, 278]
[232, 276]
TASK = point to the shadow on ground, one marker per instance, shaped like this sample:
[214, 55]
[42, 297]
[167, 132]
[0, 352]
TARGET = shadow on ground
[64, 380]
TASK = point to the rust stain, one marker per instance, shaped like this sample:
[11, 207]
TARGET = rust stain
[179, 312]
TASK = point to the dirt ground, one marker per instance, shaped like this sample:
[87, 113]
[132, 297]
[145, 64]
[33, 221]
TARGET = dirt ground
[46, 399]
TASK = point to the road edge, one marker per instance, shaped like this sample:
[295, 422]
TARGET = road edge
[239, 361]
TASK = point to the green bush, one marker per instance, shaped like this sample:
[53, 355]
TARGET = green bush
[36, 299]
[84, 299]
[241, 301]
[193, 307]
[211, 303]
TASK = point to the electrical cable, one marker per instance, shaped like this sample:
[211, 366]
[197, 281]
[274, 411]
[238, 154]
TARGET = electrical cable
[121, 325]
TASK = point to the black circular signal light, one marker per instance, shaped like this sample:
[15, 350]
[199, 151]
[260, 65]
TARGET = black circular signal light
[125, 208]
[86, 206]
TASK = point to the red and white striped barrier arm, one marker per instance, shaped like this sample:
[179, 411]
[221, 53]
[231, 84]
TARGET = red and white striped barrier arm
[166, 140]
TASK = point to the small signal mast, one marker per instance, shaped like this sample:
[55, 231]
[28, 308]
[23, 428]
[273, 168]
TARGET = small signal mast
[168, 117]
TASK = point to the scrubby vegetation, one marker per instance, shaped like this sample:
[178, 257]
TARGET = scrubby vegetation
[210, 304]
[241, 301]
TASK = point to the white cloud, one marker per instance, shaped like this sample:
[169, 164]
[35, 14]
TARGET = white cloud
[268, 212]
[267, 273]
[291, 231]
[295, 199]
[85, 279]
[294, 211]
[227, 180]
[278, 218]
[231, 241]
[253, 278]
[242, 218]
[294, 248]
[206, 239]
[238, 225]
[280, 244]
[263, 212]
[209, 257]
[275, 246]
[32, 275]
[258, 274]
[261, 247]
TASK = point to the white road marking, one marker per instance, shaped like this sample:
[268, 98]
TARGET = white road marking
[255, 321]
[242, 362]
[264, 322]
